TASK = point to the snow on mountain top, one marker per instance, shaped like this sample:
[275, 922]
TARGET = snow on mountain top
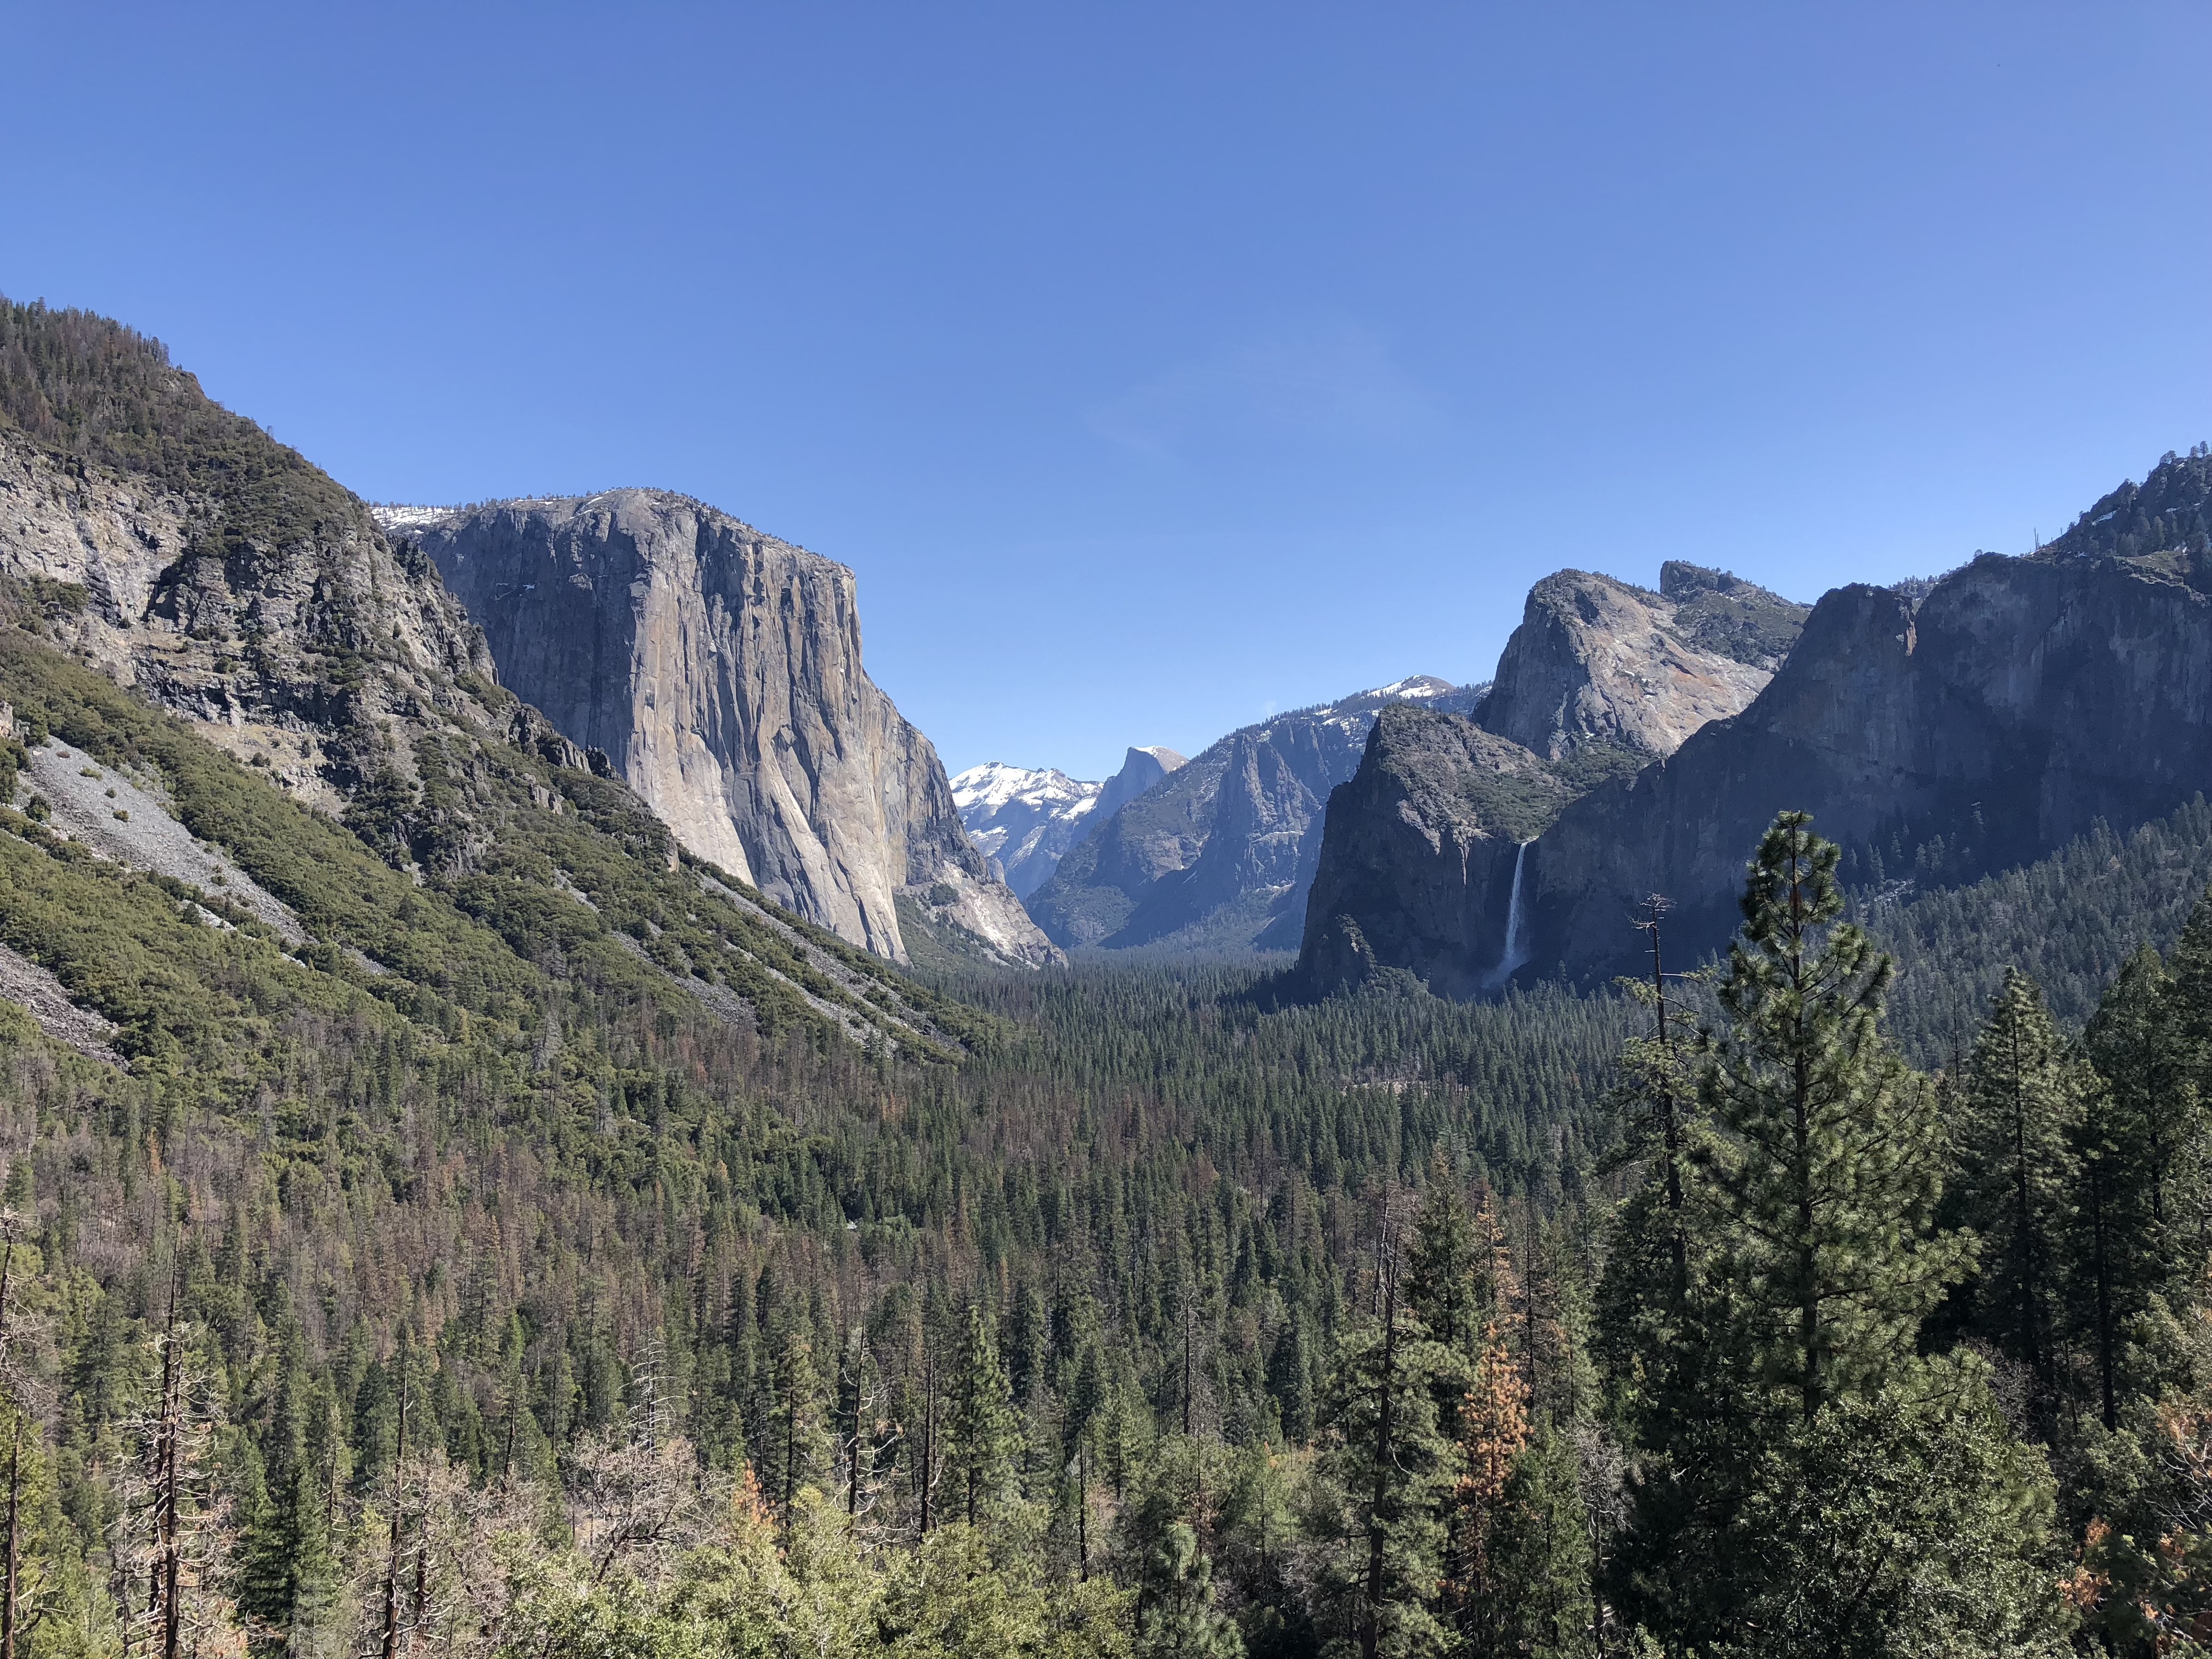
[994, 786]
[1419, 685]
[394, 516]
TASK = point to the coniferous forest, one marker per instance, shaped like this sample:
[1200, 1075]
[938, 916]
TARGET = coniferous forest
[491, 1303]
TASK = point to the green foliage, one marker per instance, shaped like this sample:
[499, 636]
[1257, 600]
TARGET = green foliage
[92, 392]
[1829, 1168]
[2069, 922]
[983, 1434]
[1907, 1521]
[2018, 1114]
[1538, 1600]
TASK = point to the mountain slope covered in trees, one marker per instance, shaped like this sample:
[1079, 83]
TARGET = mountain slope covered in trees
[457, 1222]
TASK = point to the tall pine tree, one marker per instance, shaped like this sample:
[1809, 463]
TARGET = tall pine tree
[1827, 1177]
[2019, 1112]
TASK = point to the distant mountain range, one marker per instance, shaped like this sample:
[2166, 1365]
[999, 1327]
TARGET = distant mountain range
[490, 698]
[1027, 818]
[1600, 678]
[1217, 855]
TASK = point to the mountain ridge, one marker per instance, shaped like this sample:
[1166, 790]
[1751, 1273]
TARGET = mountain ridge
[1942, 731]
[1217, 856]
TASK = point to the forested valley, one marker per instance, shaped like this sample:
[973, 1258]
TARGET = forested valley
[442, 1285]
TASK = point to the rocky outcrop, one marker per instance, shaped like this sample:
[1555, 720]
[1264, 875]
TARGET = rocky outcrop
[1417, 860]
[719, 670]
[300, 641]
[2020, 702]
[1420, 864]
[1218, 856]
[1028, 817]
[1602, 669]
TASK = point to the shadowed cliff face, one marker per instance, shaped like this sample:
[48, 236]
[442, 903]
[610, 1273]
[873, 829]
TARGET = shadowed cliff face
[1218, 856]
[2023, 701]
[1416, 862]
[719, 670]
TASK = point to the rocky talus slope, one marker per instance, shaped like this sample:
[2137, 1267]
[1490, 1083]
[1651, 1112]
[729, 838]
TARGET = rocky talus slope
[1028, 817]
[1420, 860]
[1218, 856]
[719, 670]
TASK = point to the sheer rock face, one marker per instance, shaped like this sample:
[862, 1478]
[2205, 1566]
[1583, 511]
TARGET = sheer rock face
[1596, 663]
[1417, 859]
[2020, 703]
[718, 669]
[306, 654]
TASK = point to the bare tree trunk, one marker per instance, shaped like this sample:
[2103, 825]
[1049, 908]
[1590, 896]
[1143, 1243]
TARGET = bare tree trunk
[165, 1504]
[391, 1557]
[14, 1542]
[1370, 1628]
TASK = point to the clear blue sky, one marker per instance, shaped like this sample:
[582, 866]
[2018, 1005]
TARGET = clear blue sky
[1158, 366]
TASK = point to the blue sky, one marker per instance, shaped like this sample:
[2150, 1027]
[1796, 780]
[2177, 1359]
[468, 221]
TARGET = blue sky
[1157, 367]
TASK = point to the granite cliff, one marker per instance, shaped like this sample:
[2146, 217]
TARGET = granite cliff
[719, 670]
[1613, 673]
[160, 556]
[1414, 843]
[2021, 702]
[1421, 858]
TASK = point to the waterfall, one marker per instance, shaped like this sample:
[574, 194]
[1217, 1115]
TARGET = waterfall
[1517, 928]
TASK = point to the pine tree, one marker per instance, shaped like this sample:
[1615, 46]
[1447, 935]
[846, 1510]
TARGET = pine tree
[2189, 995]
[1493, 1432]
[792, 1445]
[2013, 1154]
[2140, 1126]
[1446, 1291]
[1827, 1181]
[1444, 1279]
[983, 1431]
[2139, 1040]
[1290, 1381]
[1393, 1464]
[1176, 1615]
[1814, 1263]
[1538, 1598]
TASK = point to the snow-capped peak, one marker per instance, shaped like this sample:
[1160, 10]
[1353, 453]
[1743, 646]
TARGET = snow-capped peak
[994, 786]
[1419, 685]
